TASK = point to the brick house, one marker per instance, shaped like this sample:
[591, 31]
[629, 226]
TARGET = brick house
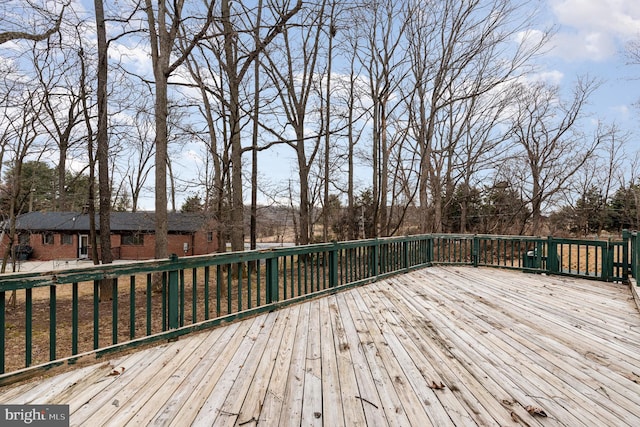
[65, 235]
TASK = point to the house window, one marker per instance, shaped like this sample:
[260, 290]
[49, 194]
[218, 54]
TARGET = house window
[133, 239]
[209, 236]
[47, 239]
[23, 239]
[67, 239]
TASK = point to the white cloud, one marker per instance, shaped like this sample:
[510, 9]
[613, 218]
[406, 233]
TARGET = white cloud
[622, 111]
[136, 59]
[530, 37]
[592, 46]
[594, 29]
[553, 77]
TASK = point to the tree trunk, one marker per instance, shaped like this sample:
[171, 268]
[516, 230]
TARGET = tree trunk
[254, 152]
[102, 154]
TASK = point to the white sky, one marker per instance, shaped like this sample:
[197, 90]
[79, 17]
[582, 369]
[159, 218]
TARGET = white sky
[590, 39]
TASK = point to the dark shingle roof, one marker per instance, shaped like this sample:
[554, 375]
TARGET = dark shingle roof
[120, 221]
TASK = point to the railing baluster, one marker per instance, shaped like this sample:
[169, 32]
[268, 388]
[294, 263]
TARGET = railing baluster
[299, 274]
[52, 322]
[194, 295]
[132, 307]
[28, 326]
[2, 331]
[305, 260]
[207, 276]
[229, 279]
[74, 318]
[250, 265]
[239, 287]
[313, 272]
[149, 291]
[218, 290]
[96, 314]
[587, 265]
[182, 302]
[165, 325]
[259, 282]
[114, 311]
[284, 278]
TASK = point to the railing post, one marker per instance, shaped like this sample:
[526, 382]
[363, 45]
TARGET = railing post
[475, 251]
[333, 266]
[625, 255]
[173, 302]
[552, 256]
[272, 280]
[430, 250]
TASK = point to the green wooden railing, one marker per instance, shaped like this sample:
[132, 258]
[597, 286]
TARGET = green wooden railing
[596, 259]
[58, 317]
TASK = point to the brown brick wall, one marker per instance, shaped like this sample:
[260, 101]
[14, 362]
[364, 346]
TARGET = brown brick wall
[197, 245]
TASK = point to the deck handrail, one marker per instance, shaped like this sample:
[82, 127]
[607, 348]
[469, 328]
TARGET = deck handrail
[163, 299]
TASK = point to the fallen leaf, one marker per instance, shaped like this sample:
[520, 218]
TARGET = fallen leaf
[117, 371]
[534, 410]
[436, 386]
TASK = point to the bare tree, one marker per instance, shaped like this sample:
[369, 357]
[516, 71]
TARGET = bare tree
[383, 60]
[141, 152]
[552, 150]
[253, 226]
[332, 31]
[51, 20]
[23, 142]
[236, 63]
[297, 76]
[164, 21]
[354, 95]
[633, 51]
[600, 174]
[480, 146]
[458, 50]
[91, 191]
[10, 100]
[217, 149]
[56, 70]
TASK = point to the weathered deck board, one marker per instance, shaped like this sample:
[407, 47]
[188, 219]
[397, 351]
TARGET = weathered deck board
[376, 355]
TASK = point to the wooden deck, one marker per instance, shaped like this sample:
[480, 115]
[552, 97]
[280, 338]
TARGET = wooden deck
[441, 346]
